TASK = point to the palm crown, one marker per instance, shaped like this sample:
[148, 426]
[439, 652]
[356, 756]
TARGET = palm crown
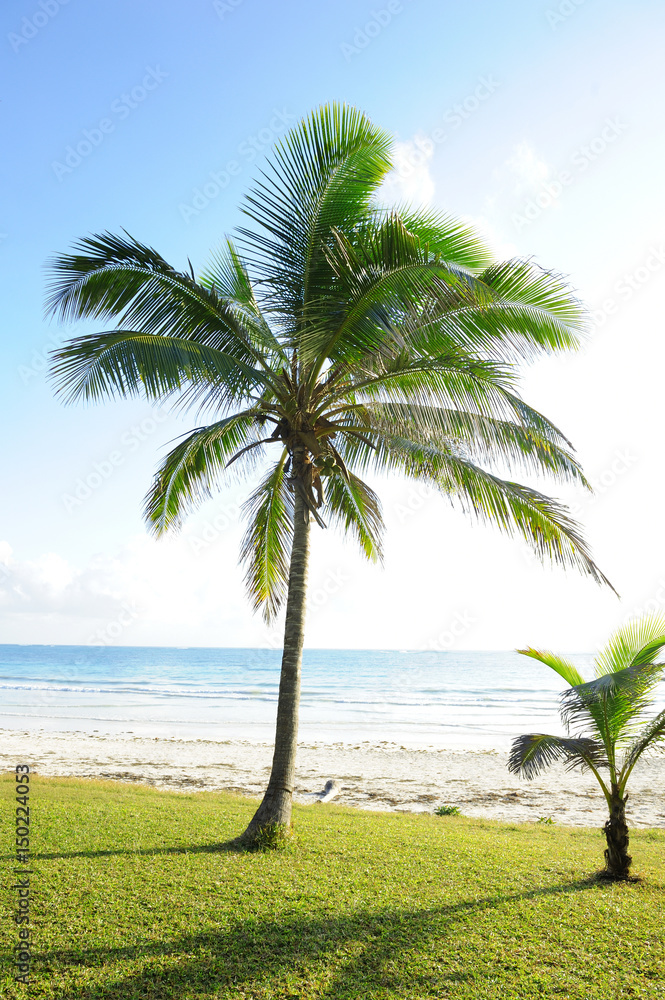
[335, 337]
[606, 721]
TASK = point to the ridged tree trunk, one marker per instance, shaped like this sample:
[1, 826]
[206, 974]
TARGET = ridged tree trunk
[617, 858]
[275, 809]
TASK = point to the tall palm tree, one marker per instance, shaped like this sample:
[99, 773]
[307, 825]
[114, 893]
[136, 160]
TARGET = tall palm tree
[333, 338]
[606, 717]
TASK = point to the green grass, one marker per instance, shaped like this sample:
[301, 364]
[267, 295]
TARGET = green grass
[138, 895]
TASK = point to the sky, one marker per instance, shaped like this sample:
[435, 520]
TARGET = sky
[539, 123]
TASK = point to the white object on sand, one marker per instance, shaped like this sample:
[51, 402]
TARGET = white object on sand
[329, 792]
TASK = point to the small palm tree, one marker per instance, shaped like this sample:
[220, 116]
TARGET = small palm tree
[605, 719]
[341, 337]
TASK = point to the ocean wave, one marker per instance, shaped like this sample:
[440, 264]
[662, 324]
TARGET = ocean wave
[415, 699]
[55, 688]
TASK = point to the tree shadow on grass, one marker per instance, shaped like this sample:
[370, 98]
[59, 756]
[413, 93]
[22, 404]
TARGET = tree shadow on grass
[219, 848]
[350, 955]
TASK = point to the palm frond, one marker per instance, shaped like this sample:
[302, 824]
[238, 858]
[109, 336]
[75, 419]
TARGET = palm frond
[228, 278]
[453, 380]
[120, 363]
[266, 546]
[538, 305]
[451, 240]
[533, 753]
[386, 285]
[542, 522]
[418, 400]
[613, 703]
[637, 642]
[193, 468]
[394, 290]
[479, 437]
[560, 664]
[113, 277]
[321, 175]
[227, 274]
[516, 509]
[651, 738]
[357, 509]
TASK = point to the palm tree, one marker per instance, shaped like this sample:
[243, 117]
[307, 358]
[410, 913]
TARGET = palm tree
[333, 338]
[605, 719]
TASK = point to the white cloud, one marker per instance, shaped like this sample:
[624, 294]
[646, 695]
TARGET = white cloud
[151, 588]
[515, 183]
[410, 181]
[49, 584]
[527, 169]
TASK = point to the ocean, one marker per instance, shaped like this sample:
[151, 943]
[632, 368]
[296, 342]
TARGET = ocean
[413, 698]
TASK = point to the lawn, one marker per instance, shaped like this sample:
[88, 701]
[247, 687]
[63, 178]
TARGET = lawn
[137, 894]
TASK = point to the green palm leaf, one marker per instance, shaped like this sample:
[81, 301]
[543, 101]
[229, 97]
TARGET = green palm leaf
[452, 241]
[227, 277]
[322, 175]
[613, 702]
[454, 379]
[266, 547]
[388, 290]
[564, 667]
[357, 509]
[652, 737]
[537, 305]
[192, 470]
[394, 288]
[479, 437]
[516, 509]
[116, 277]
[532, 754]
[635, 643]
[123, 363]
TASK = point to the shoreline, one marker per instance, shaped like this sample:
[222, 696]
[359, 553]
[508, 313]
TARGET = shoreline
[380, 776]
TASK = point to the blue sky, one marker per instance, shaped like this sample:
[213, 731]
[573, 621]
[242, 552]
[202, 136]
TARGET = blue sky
[541, 123]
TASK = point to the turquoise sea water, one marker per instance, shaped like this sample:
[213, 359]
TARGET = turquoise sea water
[479, 699]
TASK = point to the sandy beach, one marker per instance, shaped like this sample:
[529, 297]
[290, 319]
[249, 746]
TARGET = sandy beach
[367, 776]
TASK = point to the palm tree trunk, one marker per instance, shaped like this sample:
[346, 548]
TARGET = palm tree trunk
[275, 809]
[617, 858]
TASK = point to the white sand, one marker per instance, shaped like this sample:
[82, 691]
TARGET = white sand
[370, 776]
